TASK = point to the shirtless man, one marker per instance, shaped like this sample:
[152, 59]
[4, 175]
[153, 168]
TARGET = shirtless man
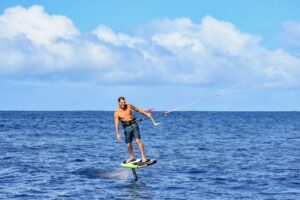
[131, 128]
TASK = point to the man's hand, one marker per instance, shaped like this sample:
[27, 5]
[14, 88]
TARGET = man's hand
[148, 115]
[118, 137]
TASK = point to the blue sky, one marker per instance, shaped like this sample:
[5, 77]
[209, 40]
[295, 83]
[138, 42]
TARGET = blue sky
[82, 55]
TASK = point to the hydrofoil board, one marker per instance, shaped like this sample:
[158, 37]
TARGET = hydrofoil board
[138, 163]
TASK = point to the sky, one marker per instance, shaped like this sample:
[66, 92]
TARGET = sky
[210, 55]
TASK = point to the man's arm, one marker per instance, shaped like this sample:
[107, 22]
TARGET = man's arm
[116, 119]
[141, 111]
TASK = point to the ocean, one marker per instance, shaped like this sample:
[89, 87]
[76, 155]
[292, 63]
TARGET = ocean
[200, 155]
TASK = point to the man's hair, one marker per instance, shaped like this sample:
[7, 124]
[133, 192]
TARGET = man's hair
[121, 98]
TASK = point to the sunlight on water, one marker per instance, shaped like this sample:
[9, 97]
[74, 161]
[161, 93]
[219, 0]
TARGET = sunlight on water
[121, 174]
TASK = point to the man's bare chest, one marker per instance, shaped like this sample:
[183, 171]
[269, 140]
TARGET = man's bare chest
[124, 114]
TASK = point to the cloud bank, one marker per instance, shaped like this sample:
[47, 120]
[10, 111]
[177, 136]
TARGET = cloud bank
[291, 33]
[36, 45]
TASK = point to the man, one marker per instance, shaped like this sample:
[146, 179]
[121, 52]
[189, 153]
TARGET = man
[131, 128]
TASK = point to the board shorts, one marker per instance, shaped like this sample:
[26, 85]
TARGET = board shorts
[131, 132]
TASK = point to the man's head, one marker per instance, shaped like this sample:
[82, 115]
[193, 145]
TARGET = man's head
[122, 102]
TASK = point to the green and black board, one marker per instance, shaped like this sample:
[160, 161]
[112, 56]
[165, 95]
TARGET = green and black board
[136, 164]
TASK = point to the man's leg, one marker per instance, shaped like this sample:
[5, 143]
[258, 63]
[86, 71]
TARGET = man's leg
[128, 140]
[137, 137]
[130, 151]
[141, 148]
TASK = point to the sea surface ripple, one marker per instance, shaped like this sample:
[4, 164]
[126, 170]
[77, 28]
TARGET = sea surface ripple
[200, 155]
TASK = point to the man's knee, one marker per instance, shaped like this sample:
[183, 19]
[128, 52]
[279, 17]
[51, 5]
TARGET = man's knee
[129, 145]
[138, 141]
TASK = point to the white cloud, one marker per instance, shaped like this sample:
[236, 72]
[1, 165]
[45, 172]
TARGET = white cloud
[35, 24]
[95, 55]
[291, 33]
[36, 42]
[162, 52]
[105, 34]
[214, 51]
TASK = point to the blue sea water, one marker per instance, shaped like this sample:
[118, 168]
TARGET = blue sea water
[200, 155]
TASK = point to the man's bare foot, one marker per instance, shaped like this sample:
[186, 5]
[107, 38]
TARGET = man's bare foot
[130, 160]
